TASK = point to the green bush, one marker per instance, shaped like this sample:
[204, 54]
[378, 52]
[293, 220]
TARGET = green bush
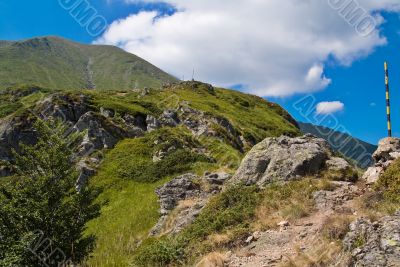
[231, 208]
[159, 252]
[389, 183]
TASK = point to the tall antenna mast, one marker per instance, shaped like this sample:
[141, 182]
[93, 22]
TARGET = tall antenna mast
[388, 99]
[193, 75]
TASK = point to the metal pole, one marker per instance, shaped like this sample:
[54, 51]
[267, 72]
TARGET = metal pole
[388, 99]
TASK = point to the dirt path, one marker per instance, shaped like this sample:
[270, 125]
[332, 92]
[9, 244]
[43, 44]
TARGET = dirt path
[274, 247]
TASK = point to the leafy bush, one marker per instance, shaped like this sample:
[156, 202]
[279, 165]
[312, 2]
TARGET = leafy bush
[389, 183]
[42, 205]
[159, 252]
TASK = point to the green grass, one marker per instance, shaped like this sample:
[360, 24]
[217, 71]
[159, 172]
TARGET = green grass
[57, 63]
[128, 175]
[229, 211]
[129, 178]
[132, 210]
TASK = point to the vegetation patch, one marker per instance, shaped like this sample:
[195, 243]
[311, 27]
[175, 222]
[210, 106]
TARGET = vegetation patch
[228, 218]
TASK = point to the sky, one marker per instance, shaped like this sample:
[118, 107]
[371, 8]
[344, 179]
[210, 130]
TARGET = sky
[298, 53]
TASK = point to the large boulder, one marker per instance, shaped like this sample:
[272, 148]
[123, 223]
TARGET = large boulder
[374, 243]
[283, 159]
[387, 152]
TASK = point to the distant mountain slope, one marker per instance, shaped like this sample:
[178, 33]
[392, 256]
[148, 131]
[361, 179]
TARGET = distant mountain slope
[351, 147]
[61, 64]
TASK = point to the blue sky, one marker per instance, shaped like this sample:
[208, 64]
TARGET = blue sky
[359, 86]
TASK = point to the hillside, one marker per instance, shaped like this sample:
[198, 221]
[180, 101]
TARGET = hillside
[188, 174]
[351, 147]
[57, 63]
[139, 140]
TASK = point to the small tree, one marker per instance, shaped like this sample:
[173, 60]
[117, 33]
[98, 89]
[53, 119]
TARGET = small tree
[42, 216]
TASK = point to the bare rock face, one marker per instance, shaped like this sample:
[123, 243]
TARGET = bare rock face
[180, 188]
[374, 244]
[185, 196]
[387, 152]
[283, 159]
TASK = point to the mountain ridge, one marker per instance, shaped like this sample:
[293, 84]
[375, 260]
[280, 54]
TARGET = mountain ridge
[59, 63]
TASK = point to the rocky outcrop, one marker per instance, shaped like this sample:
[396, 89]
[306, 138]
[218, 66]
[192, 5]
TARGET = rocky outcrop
[374, 244]
[283, 159]
[180, 188]
[186, 195]
[13, 132]
[387, 152]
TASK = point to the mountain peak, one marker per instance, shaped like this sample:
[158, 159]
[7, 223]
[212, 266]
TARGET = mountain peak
[60, 63]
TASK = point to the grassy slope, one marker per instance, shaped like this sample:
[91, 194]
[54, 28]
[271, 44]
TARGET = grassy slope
[132, 207]
[61, 64]
[251, 115]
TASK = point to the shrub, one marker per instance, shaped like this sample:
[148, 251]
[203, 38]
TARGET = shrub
[389, 183]
[336, 227]
[158, 252]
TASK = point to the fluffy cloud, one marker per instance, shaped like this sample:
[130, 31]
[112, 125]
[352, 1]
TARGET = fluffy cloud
[271, 48]
[329, 107]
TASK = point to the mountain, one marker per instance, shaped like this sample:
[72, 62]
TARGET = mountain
[353, 148]
[57, 63]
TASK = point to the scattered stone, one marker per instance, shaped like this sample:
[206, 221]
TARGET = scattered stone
[283, 225]
[217, 178]
[249, 239]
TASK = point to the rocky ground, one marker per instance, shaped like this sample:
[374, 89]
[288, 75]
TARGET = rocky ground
[367, 243]
[278, 246]
[299, 242]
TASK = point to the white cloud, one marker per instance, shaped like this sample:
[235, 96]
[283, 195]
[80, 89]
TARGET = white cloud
[329, 107]
[272, 47]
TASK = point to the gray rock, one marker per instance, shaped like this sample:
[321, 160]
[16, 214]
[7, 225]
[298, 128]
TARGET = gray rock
[371, 176]
[282, 159]
[337, 164]
[184, 188]
[85, 173]
[387, 152]
[180, 188]
[217, 178]
[374, 244]
[107, 113]
[152, 123]
[385, 147]
[169, 118]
